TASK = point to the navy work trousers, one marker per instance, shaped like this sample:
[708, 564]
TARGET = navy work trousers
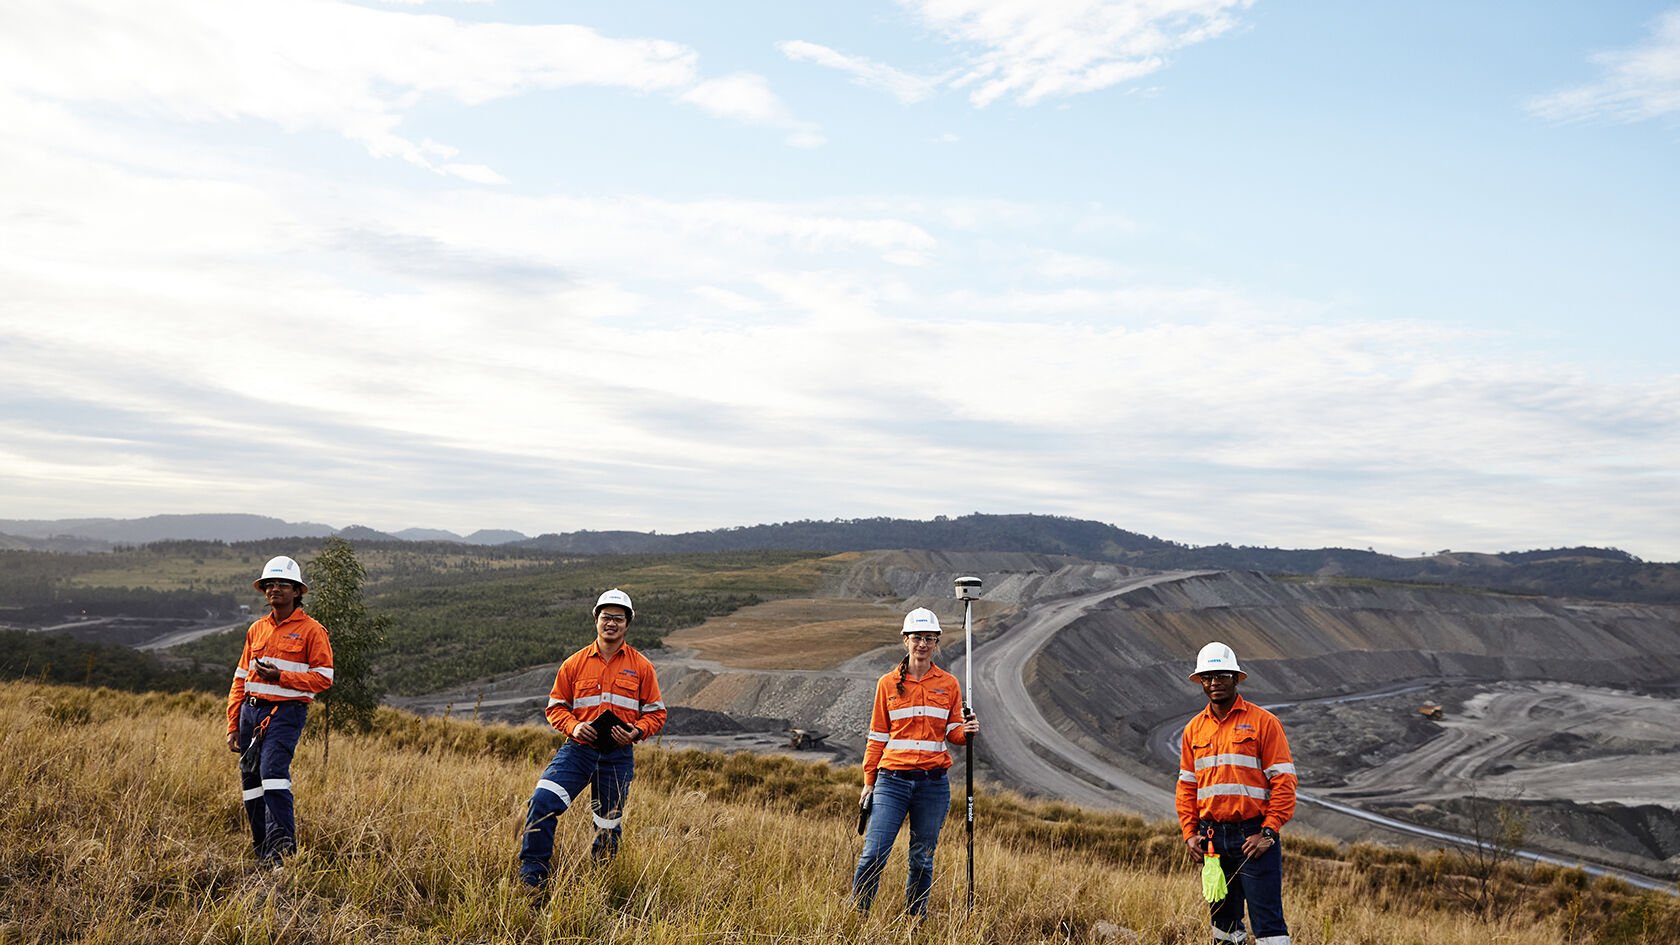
[1256, 883]
[268, 793]
[608, 775]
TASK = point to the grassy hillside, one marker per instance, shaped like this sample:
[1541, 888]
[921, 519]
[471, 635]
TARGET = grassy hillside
[457, 612]
[120, 822]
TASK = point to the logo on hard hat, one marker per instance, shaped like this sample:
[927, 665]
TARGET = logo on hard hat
[921, 620]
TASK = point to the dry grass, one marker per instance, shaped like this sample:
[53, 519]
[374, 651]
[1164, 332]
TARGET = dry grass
[120, 822]
[799, 633]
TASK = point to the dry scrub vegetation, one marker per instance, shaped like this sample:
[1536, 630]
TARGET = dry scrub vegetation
[120, 822]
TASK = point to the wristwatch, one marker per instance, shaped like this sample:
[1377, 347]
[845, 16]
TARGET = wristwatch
[1269, 834]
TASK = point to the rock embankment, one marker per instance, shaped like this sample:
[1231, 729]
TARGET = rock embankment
[1113, 675]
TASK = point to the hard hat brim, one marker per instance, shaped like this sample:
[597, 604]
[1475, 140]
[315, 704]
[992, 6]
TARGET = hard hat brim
[1192, 677]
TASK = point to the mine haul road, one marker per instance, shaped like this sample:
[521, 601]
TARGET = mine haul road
[1025, 750]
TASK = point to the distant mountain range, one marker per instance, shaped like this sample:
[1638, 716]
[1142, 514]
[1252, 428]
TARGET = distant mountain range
[1604, 573]
[101, 534]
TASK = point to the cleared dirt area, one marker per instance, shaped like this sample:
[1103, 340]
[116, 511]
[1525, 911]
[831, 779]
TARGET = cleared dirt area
[1537, 741]
[802, 633]
[1591, 771]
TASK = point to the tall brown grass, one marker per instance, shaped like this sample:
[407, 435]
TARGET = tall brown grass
[120, 822]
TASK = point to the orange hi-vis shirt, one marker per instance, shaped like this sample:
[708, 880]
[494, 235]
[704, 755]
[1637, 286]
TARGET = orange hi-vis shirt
[588, 685]
[299, 646]
[908, 732]
[1236, 768]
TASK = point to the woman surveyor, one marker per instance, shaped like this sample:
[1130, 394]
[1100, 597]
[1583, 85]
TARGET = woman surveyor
[918, 708]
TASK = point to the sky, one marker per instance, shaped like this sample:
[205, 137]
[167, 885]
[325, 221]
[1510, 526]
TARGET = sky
[1390, 276]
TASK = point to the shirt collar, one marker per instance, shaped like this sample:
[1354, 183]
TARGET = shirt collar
[1237, 705]
[595, 650]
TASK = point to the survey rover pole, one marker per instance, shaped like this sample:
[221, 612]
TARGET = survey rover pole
[968, 589]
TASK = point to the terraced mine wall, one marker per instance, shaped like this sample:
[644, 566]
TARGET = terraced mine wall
[1119, 671]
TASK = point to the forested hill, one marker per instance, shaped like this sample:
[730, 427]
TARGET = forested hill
[1607, 574]
[1040, 534]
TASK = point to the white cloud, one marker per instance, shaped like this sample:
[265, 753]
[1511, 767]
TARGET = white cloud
[743, 97]
[1637, 83]
[747, 98]
[309, 64]
[473, 173]
[729, 299]
[901, 85]
[1033, 50]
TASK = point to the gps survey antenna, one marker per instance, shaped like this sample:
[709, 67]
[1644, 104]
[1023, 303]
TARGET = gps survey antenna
[968, 591]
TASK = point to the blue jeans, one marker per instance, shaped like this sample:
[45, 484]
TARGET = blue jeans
[925, 802]
[1258, 883]
[608, 775]
[268, 793]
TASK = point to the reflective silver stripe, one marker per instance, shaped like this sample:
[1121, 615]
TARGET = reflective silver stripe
[605, 824]
[1184, 775]
[552, 788]
[292, 665]
[1239, 936]
[879, 736]
[585, 702]
[623, 702]
[1233, 790]
[951, 728]
[252, 794]
[1274, 771]
[554, 702]
[1236, 761]
[269, 689]
[239, 672]
[914, 744]
[915, 711]
[1272, 940]
[277, 784]
[323, 670]
[654, 707]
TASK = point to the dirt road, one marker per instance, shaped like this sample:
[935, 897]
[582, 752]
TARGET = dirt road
[185, 636]
[1019, 743]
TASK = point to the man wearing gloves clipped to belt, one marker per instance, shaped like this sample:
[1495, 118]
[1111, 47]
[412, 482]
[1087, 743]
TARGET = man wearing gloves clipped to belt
[1236, 790]
[287, 660]
[606, 698]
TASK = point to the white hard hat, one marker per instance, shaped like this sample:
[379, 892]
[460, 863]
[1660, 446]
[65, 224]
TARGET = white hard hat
[283, 568]
[921, 620]
[1217, 657]
[615, 597]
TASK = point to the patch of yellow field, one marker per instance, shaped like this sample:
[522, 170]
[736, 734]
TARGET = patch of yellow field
[798, 633]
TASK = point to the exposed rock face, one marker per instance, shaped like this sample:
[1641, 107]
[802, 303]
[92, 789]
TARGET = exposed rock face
[923, 578]
[1119, 671]
[832, 704]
